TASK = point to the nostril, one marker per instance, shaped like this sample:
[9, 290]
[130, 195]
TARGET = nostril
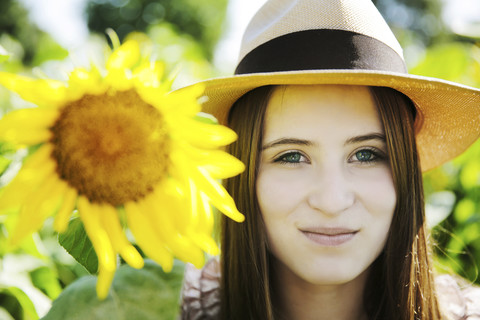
[331, 203]
[332, 195]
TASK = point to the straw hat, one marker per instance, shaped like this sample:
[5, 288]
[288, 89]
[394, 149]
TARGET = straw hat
[346, 42]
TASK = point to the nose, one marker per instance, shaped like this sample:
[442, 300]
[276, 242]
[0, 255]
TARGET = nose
[331, 191]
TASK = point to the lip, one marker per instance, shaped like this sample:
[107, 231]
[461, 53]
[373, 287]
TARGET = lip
[329, 237]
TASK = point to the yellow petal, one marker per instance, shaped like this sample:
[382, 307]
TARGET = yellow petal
[25, 138]
[125, 57]
[44, 92]
[149, 74]
[219, 164]
[217, 194]
[34, 171]
[195, 208]
[205, 242]
[82, 81]
[143, 40]
[29, 118]
[119, 80]
[119, 65]
[146, 237]
[204, 135]
[176, 198]
[104, 280]
[111, 224]
[99, 237]
[181, 246]
[42, 203]
[183, 101]
[63, 215]
[200, 230]
[224, 168]
[28, 126]
[206, 222]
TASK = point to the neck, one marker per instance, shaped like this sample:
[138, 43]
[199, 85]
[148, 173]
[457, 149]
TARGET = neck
[300, 300]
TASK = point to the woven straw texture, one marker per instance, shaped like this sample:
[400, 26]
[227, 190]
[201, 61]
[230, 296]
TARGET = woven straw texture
[281, 17]
[448, 117]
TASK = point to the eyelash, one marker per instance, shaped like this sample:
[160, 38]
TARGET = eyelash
[376, 156]
[282, 158]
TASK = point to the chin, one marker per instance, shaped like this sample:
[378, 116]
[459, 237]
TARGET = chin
[333, 275]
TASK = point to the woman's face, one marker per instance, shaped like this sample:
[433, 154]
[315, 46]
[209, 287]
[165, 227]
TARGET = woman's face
[324, 187]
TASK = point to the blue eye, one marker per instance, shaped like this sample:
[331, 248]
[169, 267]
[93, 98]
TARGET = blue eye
[364, 155]
[290, 157]
[367, 156]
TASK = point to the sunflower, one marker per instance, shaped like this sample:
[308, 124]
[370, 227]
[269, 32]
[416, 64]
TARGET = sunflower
[122, 150]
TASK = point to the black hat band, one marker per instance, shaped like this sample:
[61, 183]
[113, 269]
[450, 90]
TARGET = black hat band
[321, 49]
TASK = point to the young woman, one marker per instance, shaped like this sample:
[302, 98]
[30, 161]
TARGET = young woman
[335, 135]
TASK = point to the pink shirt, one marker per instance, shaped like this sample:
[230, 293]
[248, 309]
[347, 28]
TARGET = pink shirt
[201, 297]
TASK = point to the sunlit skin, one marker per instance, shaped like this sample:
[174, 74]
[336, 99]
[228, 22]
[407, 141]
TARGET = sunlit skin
[327, 197]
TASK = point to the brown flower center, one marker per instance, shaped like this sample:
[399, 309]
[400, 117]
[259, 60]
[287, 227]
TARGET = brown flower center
[111, 148]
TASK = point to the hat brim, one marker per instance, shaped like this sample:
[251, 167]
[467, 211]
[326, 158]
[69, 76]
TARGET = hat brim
[448, 114]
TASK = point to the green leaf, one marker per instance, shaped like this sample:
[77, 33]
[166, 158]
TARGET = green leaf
[470, 175]
[5, 315]
[18, 304]
[4, 55]
[470, 233]
[45, 279]
[464, 210]
[147, 293]
[446, 61]
[48, 49]
[77, 243]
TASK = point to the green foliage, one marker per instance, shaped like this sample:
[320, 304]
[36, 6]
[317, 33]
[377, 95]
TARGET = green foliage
[47, 50]
[147, 293]
[183, 56]
[16, 302]
[77, 243]
[4, 55]
[46, 280]
[457, 238]
[450, 61]
[418, 18]
[200, 20]
[14, 22]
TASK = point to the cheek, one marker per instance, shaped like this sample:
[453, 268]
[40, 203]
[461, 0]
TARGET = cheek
[278, 193]
[377, 192]
[378, 197]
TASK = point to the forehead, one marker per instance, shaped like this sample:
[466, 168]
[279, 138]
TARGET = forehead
[295, 109]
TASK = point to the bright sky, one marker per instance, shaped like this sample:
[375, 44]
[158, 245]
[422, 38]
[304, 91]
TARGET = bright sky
[239, 12]
[63, 19]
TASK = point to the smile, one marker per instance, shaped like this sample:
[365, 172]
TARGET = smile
[330, 237]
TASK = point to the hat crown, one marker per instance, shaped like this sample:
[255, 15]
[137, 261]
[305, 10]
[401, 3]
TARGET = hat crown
[280, 17]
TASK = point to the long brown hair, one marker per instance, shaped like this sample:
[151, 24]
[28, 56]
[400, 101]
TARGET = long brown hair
[400, 285]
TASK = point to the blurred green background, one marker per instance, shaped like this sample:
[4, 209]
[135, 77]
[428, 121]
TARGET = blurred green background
[192, 35]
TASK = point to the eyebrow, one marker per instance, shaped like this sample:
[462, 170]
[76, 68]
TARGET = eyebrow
[288, 141]
[302, 142]
[366, 137]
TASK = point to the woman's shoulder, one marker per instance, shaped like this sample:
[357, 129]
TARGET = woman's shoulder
[200, 292]
[457, 298]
